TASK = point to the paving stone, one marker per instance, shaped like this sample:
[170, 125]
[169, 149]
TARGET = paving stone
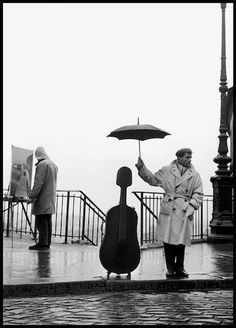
[205, 320]
[227, 322]
[181, 319]
[196, 323]
[202, 316]
[113, 308]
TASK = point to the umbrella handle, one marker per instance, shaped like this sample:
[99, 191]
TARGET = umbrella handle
[139, 143]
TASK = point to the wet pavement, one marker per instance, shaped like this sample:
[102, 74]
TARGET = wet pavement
[119, 308]
[79, 267]
[67, 285]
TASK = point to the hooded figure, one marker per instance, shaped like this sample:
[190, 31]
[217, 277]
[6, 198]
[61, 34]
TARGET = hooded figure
[43, 195]
[183, 195]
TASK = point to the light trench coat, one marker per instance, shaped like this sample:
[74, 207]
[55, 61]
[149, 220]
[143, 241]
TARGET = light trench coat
[44, 189]
[176, 215]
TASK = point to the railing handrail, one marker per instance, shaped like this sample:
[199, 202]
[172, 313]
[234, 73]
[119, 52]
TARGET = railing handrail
[64, 190]
[139, 198]
[96, 212]
[161, 193]
[68, 215]
[79, 213]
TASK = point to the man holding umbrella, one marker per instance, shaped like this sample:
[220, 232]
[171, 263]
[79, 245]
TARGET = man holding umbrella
[183, 195]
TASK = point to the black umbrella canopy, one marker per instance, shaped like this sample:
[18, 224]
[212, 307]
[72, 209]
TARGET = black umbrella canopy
[138, 132]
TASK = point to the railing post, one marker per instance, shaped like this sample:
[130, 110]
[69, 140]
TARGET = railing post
[207, 220]
[8, 218]
[67, 216]
[35, 229]
[201, 211]
[141, 220]
[83, 219]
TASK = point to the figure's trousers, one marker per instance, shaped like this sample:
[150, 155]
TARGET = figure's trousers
[44, 226]
[174, 255]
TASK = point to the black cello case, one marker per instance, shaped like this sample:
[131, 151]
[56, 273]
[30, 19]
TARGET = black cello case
[120, 251]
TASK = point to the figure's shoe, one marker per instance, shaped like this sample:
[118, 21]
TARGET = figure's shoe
[38, 247]
[181, 273]
[170, 274]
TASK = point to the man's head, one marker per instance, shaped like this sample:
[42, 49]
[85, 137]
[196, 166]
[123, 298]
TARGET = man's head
[184, 156]
[40, 153]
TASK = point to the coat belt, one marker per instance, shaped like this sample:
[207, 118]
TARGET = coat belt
[172, 196]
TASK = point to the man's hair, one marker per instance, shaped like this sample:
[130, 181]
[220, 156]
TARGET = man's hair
[181, 152]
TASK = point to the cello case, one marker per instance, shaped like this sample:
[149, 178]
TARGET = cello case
[119, 251]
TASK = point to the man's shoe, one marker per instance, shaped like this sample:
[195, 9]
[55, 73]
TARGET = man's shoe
[170, 274]
[38, 247]
[181, 273]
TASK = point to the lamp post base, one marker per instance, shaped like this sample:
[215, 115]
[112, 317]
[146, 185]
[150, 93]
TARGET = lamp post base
[217, 238]
[221, 225]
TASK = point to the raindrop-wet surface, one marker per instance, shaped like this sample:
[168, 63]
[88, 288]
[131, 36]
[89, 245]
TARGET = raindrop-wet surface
[73, 262]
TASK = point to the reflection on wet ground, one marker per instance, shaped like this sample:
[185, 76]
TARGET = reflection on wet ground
[44, 267]
[74, 262]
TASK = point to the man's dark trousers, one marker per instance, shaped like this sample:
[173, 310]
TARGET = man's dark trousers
[44, 225]
[173, 252]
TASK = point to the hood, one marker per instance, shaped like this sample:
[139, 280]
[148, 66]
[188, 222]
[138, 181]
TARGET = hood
[40, 153]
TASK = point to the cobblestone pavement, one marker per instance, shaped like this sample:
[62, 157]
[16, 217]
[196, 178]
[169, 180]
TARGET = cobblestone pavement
[129, 308]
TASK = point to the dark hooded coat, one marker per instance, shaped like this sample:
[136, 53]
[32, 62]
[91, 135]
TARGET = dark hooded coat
[44, 189]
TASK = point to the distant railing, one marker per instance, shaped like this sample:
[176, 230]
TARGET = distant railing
[149, 211]
[77, 218]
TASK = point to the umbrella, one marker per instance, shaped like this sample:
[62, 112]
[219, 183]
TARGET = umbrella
[138, 132]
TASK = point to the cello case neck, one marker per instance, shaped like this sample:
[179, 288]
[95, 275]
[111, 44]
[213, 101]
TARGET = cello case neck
[124, 179]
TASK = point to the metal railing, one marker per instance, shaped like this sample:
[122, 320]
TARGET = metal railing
[77, 218]
[149, 211]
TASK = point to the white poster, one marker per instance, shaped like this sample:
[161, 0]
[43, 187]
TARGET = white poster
[21, 172]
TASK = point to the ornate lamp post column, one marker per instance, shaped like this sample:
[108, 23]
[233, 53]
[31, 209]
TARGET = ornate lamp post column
[222, 218]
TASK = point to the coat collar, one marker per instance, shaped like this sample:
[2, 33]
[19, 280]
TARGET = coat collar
[187, 175]
[40, 160]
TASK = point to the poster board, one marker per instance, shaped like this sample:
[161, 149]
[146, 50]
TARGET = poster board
[21, 172]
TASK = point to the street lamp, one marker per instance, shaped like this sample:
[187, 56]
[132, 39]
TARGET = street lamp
[222, 218]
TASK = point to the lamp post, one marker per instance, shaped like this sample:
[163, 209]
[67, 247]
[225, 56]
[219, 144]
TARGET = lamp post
[222, 182]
